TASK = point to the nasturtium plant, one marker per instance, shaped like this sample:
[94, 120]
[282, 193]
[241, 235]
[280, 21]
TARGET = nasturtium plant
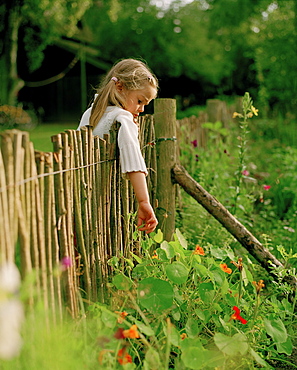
[155, 295]
[195, 356]
[169, 250]
[177, 272]
[183, 241]
[192, 328]
[158, 237]
[122, 282]
[142, 270]
[276, 329]
[232, 346]
[206, 292]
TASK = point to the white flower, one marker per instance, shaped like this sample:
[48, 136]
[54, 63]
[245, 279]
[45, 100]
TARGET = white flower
[10, 278]
[11, 318]
[11, 312]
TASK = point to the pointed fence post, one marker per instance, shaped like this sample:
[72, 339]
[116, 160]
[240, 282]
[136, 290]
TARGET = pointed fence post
[165, 134]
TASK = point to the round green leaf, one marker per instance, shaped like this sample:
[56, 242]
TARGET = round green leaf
[156, 295]
[206, 292]
[192, 328]
[152, 359]
[122, 282]
[232, 346]
[142, 271]
[177, 272]
[162, 256]
[170, 252]
[276, 329]
[194, 356]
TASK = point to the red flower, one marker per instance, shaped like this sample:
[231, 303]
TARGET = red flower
[266, 187]
[236, 315]
[124, 357]
[119, 334]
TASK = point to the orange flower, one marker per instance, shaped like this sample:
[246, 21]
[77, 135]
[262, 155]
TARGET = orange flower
[122, 316]
[131, 333]
[259, 286]
[155, 255]
[124, 357]
[236, 316]
[199, 250]
[225, 268]
[183, 336]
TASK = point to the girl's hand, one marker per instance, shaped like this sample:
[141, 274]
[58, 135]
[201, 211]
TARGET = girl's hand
[147, 220]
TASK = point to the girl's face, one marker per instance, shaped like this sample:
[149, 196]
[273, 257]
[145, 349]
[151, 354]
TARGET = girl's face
[137, 99]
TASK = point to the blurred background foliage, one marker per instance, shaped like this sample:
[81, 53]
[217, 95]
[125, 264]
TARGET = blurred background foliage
[199, 49]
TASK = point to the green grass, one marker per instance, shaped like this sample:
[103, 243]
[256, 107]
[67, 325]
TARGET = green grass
[41, 135]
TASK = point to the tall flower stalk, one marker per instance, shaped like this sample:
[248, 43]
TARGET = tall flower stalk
[248, 111]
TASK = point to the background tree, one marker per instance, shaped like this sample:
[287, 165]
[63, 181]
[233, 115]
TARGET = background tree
[207, 47]
[274, 43]
[33, 24]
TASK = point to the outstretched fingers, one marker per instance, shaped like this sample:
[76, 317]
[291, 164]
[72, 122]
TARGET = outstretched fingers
[147, 225]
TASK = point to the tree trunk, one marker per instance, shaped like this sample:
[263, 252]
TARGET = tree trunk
[216, 209]
[12, 83]
[16, 84]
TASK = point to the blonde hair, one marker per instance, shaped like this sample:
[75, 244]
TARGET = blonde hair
[132, 74]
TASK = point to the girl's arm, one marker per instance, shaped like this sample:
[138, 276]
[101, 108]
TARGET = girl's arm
[146, 215]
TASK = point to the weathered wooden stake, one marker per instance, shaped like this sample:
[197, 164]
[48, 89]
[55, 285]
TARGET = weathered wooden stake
[217, 210]
[165, 133]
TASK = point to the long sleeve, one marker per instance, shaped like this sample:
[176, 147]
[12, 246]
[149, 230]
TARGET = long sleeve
[130, 154]
[131, 158]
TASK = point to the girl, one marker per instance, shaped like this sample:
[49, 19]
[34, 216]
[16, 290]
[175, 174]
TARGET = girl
[121, 96]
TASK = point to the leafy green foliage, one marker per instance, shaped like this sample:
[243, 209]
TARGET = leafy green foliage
[186, 310]
[274, 44]
[155, 294]
[44, 21]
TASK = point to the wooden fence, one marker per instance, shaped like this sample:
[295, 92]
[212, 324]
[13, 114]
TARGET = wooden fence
[74, 203]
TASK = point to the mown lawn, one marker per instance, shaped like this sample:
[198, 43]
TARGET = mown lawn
[41, 135]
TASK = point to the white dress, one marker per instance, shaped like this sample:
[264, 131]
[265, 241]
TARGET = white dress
[131, 158]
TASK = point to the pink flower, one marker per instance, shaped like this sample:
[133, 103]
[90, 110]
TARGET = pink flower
[245, 173]
[266, 187]
[65, 263]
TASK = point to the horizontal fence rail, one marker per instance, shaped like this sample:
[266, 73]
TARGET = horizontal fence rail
[73, 205]
[72, 202]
